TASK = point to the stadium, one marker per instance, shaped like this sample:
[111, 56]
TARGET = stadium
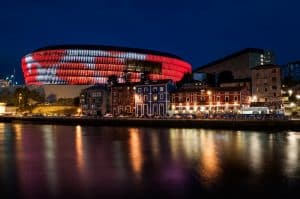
[90, 64]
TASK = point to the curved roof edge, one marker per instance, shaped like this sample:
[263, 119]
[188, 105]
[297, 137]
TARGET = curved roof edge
[106, 47]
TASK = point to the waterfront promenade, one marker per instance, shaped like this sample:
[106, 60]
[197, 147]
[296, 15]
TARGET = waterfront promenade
[236, 124]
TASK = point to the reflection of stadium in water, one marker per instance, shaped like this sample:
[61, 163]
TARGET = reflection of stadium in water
[88, 64]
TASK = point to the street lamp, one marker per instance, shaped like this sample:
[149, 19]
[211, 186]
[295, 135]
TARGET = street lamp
[290, 92]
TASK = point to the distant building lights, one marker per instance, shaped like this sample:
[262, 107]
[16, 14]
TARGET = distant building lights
[173, 107]
[202, 108]
[195, 108]
[292, 104]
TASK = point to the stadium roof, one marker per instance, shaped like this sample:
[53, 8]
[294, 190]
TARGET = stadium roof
[104, 47]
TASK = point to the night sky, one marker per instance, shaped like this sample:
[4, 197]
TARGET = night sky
[199, 31]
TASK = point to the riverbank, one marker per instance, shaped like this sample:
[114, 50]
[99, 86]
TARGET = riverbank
[261, 125]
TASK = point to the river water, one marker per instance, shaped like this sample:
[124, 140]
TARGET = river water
[56, 161]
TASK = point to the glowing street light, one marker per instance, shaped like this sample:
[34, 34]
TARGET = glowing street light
[254, 98]
[290, 92]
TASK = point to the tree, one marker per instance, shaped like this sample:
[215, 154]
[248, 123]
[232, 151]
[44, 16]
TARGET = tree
[112, 80]
[36, 96]
[21, 98]
[76, 101]
[187, 78]
[51, 98]
[145, 76]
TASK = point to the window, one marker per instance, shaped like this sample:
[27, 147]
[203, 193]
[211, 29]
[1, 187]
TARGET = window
[195, 98]
[274, 87]
[154, 89]
[161, 96]
[274, 79]
[226, 98]
[235, 98]
[266, 89]
[274, 70]
[161, 89]
[139, 90]
[202, 99]
[274, 94]
[145, 98]
[218, 98]
[146, 89]
[154, 97]
[187, 99]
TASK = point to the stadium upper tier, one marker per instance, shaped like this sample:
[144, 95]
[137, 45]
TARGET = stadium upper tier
[88, 65]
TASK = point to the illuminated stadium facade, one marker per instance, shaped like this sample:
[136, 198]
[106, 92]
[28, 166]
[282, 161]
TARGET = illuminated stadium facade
[88, 65]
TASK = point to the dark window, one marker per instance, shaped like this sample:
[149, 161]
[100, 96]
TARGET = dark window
[226, 99]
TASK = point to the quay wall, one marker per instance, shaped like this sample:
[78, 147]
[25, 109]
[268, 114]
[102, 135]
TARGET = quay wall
[259, 125]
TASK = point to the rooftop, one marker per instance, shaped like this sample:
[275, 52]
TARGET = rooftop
[105, 47]
[244, 51]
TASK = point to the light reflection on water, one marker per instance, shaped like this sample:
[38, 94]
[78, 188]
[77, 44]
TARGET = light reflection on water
[52, 161]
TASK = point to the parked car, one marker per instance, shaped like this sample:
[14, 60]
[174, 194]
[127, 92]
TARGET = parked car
[176, 116]
[107, 115]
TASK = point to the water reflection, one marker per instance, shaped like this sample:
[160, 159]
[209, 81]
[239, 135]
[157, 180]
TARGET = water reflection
[255, 150]
[209, 166]
[292, 154]
[51, 160]
[50, 156]
[79, 148]
[135, 151]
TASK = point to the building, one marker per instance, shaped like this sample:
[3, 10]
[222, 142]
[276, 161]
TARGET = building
[153, 98]
[201, 99]
[122, 99]
[90, 64]
[291, 71]
[266, 85]
[94, 100]
[239, 63]
[4, 83]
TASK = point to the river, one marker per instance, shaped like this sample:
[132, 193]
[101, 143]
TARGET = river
[57, 161]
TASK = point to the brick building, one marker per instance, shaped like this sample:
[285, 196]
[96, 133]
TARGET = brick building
[201, 99]
[94, 100]
[122, 99]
